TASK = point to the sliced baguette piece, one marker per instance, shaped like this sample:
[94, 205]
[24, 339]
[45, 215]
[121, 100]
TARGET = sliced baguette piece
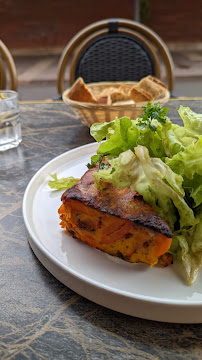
[139, 95]
[151, 87]
[125, 88]
[104, 99]
[80, 92]
[157, 81]
[118, 95]
[115, 94]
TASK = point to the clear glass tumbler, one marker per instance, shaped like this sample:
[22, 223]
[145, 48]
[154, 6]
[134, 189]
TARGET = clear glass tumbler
[10, 123]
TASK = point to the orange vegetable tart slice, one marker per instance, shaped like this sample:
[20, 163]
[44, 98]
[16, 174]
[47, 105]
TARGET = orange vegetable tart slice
[116, 221]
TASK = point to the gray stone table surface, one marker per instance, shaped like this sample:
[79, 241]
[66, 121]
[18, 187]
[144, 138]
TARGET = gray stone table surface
[40, 318]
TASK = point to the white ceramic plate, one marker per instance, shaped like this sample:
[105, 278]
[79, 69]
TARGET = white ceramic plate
[135, 289]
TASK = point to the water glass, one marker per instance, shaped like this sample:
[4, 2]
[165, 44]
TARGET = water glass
[10, 124]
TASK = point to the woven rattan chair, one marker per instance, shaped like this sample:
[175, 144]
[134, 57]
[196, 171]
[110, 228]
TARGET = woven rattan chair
[7, 69]
[115, 50]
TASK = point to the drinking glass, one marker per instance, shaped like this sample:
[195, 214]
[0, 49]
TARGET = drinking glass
[10, 123]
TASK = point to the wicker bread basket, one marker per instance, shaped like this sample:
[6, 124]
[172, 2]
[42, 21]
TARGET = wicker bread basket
[90, 113]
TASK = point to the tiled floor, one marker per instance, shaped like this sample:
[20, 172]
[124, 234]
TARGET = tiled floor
[188, 73]
[188, 64]
[38, 75]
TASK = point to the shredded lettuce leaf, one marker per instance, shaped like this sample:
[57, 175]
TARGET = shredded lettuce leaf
[187, 247]
[192, 121]
[121, 134]
[188, 162]
[62, 183]
[189, 165]
[154, 180]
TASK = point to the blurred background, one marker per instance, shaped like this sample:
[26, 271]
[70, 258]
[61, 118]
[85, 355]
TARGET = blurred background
[37, 32]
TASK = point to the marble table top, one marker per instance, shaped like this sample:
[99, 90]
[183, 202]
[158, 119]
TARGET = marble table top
[40, 318]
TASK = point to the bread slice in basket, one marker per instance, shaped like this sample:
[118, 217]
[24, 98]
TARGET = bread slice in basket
[147, 89]
[81, 92]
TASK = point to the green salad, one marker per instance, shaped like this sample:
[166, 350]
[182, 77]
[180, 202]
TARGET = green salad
[162, 161]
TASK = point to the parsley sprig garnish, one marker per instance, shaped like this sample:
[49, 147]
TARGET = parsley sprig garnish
[98, 159]
[152, 112]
